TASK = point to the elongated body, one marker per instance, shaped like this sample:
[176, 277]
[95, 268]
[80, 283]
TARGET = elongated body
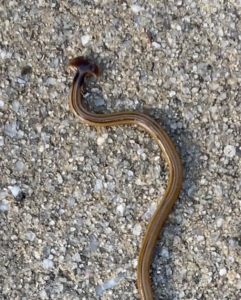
[85, 67]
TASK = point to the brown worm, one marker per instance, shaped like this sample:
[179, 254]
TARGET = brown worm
[85, 67]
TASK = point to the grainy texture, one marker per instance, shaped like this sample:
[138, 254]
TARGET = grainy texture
[75, 200]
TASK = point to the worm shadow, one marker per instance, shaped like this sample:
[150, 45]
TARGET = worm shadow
[190, 153]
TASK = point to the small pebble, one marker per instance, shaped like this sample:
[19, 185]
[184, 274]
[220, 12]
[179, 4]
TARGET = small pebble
[19, 166]
[191, 191]
[3, 54]
[11, 129]
[60, 178]
[76, 257]
[137, 229]
[150, 211]
[48, 264]
[3, 206]
[121, 209]
[193, 5]
[15, 190]
[15, 106]
[43, 294]
[99, 101]
[85, 39]
[200, 238]
[71, 201]
[223, 272]
[218, 190]
[1, 141]
[165, 253]
[50, 81]
[136, 8]
[1, 103]
[98, 185]
[36, 255]
[156, 45]
[30, 236]
[188, 115]
[230, 151]
[219, 222]
[101, 140]
[108, 284]
[21, 81]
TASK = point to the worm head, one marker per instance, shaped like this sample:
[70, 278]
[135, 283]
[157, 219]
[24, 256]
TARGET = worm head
[84, 66]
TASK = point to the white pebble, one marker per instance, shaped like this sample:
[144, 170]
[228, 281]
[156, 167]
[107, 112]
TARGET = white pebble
[11, 129]
[3, 54]
[41, 148]
[100, 140]
[178, 27]
[19, 166]
[137, 229]
[188, 115]
[220, 32]
[138, 181]
[15, 106]
[108, 230]
[21, 81]
[3, 194]
[15, 190]
[219, 222]
[156, 45]
[30, 236]
[136, 8]
[218, 190]
[50, 81]
[1, 141]
[222, 96]
[43, 294]
[214, 86]
[98, 185]
[193, 5]
[222, 271]
[1, 103]
[143, 156]
[85, 39]
[229, 151]
[3, 206]
[99, 101]
[108, 284]
[36, 255]
[200, 238]
[76, 257]
[121, 209]
[60, 179]
[71, 201]
[130, 174]
[48, 263]
[150, 211]
[165, 253]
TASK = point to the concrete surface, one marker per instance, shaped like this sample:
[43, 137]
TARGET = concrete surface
[75, 200]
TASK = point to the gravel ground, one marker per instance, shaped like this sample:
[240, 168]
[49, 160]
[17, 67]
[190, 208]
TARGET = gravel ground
[75, 200]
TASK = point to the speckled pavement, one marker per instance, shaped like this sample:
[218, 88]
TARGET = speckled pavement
[75, 200]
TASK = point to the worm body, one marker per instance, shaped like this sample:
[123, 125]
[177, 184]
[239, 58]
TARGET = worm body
[86, 67]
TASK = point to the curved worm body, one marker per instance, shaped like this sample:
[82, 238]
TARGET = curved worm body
[85, 67]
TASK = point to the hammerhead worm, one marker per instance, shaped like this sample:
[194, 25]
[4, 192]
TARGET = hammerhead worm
[86, 67]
